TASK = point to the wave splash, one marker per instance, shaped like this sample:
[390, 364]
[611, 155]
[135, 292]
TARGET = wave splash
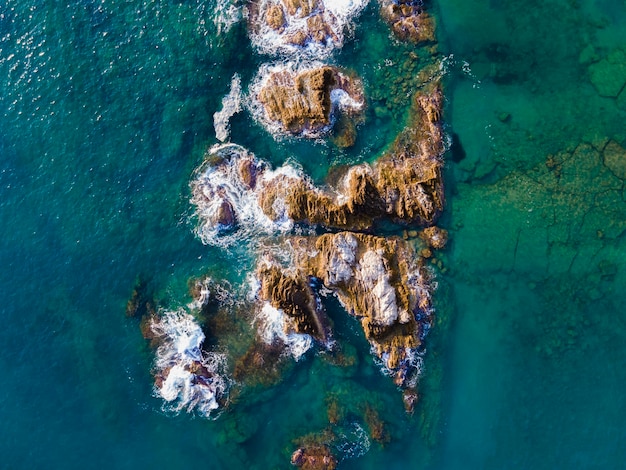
[228, 191]
[187, 377]
[231, 105]
[311, 28]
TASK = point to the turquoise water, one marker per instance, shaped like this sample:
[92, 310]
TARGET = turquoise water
[106, 109]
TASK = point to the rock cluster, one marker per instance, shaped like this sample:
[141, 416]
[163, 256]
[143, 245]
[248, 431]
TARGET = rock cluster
[404, 185]
[378, 280]
[305, 101]
[308, 26]
[408, 20]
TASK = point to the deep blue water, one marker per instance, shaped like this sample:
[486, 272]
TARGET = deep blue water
[105, 111]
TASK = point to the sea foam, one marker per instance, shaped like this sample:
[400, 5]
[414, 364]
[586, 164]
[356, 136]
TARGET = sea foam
[271, 327]
[220, 181]
[231, 104]
[187, 377]
[313, 33]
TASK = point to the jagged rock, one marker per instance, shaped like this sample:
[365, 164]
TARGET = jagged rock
[297, 300]
[305, 101]
[378, 280]
[408, 20]
[274, 17]
[405, 184]
[435, 237]
[315, 457]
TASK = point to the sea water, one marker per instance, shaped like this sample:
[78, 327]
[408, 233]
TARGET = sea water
[107, 110]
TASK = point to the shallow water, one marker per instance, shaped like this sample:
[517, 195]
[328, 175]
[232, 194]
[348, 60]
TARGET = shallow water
[107, 109]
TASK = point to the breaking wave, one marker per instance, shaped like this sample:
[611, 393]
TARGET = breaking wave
[187, 377]
[271, 327]
[311, 28]
[228, 191]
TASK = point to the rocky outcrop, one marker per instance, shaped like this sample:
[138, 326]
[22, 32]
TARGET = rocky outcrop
[408, 20]
[404, 185]
[235, 190]
[378, 280]
[295, 297]
[304, 101]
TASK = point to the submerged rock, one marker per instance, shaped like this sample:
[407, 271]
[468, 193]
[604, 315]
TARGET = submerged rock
[304, 100]
[408, 20]
[378, 280]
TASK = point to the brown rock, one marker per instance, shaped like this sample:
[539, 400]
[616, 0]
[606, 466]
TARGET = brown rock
[435, 237]
[315, 457]
[226, 215]
[294, 296]
[274, 17]
[404, 185]
[408, 20]
[302, 8]
[300, 102]
[377, 279]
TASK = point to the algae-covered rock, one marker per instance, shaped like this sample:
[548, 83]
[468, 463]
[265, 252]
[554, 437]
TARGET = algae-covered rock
[408, 20]
[608, 75]
[615, 159]
[315, 457]
[305, 100]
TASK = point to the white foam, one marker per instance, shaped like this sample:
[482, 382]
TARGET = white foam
[337, 15]
[271, 327]
[222, 182]
[226, 15]
[192, 378]
[353, 442]
[231, 104]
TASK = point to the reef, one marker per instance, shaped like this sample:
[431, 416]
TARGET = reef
[304, 100]
[378, 280]
[408, 20]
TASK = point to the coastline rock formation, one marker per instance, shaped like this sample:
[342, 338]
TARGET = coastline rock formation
[408, 20]
[313, 27]
[234, 190]
[304, 100]
[378, 280]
